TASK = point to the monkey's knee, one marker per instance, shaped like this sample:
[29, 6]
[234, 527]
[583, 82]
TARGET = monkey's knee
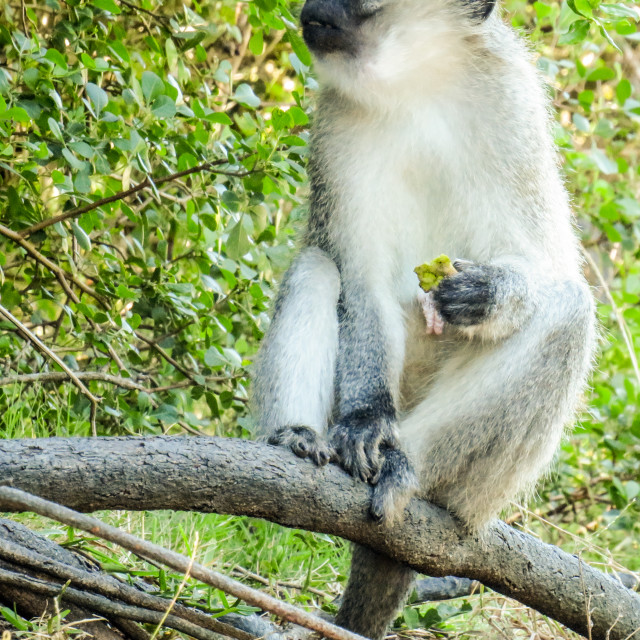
[314, 276]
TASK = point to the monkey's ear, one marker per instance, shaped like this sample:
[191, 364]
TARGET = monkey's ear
[482, 9]
[489, 5]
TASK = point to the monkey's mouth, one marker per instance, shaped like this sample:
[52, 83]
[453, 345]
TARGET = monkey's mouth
[326, 27]
[317, 23]
[323, 36]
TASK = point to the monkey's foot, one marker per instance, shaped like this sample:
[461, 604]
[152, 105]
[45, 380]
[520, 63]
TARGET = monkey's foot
[435, 323]
[396, 485]
[360, 448]
[304, 442]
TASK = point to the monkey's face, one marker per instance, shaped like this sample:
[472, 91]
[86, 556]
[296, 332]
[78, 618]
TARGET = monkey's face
[365, 46]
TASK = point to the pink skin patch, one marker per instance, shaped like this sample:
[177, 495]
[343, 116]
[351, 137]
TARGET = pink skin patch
[435, 323]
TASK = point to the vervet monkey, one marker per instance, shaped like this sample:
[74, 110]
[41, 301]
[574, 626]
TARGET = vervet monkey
[431, 136]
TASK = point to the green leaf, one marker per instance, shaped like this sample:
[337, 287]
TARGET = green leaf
[57, 177]
[83, 239]
[163, 107]
[72, 160]
[53, 55]
[82, 182]
[411, 617]
[619, 10]
[18, 114]
[577, 32]
[171, 52]
[238, 242]
[152, 86]
[125, 293]
[98, 97]
[605, 164]
[83, 149]
[542, 10]
[299, 47]
[603, 73]
[107, 5]
[244, 95]
[55, 129]
[256, 43]
[623, 91]
[217, 117]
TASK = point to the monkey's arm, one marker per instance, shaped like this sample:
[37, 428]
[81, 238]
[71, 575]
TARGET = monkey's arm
[364, 436]
[293, 381]
[489, 300]
[491, 422]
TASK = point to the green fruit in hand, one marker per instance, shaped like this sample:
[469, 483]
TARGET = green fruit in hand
[431, 273]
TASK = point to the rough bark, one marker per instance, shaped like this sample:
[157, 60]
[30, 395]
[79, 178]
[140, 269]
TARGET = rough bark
[248, 478]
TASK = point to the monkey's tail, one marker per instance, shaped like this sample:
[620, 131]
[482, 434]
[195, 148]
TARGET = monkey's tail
[377, 588]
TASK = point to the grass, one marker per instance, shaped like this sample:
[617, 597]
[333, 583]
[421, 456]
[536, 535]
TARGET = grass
[305, 568]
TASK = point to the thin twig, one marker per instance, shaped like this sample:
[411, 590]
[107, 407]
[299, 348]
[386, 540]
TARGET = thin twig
[57, 270]
[21, 500]
[619, 318]
[147, 182]
[125, 383]
[31, 337]
[164, 20]
[241, 571]
[162, 353]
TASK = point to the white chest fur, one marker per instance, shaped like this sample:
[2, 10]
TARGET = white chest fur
[417, 186]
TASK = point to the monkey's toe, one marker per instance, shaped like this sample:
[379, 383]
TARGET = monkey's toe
[304, 442]
[396, 485]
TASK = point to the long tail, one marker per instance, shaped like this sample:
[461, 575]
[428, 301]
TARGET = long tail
[377, 588]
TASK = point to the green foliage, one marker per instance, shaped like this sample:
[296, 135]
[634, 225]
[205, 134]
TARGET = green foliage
[587, 50]
[152, 190]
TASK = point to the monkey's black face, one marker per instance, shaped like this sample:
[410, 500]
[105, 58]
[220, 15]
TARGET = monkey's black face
[330, 26]
[341, 26]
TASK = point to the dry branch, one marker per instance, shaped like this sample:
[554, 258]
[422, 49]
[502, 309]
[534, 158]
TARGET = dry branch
[14, 498]
[248, 478]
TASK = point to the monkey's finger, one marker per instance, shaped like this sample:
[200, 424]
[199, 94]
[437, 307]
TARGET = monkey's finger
[299, 447]
[461, 265]
[322, 456]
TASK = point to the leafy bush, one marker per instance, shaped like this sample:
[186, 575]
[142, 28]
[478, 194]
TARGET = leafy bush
[153, 172]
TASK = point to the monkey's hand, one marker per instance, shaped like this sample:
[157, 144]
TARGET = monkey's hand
[469, 297]
[304, 442]
[370, 451]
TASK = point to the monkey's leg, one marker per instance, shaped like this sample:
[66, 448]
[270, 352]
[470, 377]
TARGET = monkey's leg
[293, 383]
[377, 588]
[491, 423]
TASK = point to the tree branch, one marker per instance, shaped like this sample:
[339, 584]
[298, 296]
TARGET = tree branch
[60, 274]
[248, 478]
[14, 498]
[121, 195]
[124, 383]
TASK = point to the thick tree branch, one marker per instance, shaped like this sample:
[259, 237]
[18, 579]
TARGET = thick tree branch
[248, 478]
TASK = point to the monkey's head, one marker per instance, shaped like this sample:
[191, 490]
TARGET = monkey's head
[376, 46]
